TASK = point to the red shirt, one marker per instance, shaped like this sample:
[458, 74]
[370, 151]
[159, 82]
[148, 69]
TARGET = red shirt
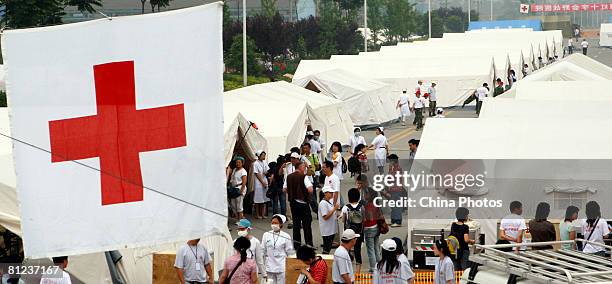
[318, 270]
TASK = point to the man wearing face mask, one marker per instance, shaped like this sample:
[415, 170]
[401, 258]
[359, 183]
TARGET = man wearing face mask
[317, 137]
[255, 252]
[277, 245]
[355, 140]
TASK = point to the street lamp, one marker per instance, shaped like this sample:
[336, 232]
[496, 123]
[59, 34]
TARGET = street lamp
[365, 25]
[244, 45]
[429, 18]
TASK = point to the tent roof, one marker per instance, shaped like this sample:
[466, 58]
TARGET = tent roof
[590, 64]
[564, 91]
[517, 138]
[345, 84]
[235, 127]
[509, 108]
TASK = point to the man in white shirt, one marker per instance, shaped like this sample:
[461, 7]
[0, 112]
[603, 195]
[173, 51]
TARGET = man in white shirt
[512, 227]
[331, 180]
[192, 263]
[342, 268]
[570, 45]
[481, 94]
[432, 99]
[419, 104]
[315, 146]
[355, 140]
[585, 46]
[61, 262]
[322, 145]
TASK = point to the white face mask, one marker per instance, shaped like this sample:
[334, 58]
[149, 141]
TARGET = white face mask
[275, 227]
[243, 233]
[357, 134]
[316, 138]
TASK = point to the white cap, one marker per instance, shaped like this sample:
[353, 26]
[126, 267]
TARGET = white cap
[259, 152]
[439, 110]
[309, 133]
[382, 129]
[282, 217]
[389, 245]
[295, 155]
[327, 188]
[349, 234]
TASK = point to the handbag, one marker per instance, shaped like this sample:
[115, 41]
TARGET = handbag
[233, 192]
[383, 228]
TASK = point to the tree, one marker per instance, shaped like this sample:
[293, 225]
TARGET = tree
[271, 34]
[400, 21]
[300, 48]
[234, 58]
[268, 8]
[33, 13]
[159, 4]
[85, 5]
[329, 22]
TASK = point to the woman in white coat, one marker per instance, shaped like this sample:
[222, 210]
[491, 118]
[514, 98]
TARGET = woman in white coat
[403, 104]
[380, 147]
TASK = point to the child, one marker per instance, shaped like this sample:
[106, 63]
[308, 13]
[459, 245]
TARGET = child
[445, 269]
[328, 224]
[352, 214]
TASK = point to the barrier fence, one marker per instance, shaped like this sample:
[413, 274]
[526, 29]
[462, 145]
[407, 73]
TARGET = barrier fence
[420, 277]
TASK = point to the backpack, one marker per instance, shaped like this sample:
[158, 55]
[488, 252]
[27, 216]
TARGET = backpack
[354, 165]
[354, 218]
[344, 166]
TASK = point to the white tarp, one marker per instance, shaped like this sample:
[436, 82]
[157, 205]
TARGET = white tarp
[237, 128]
[605, 35]
[283, 124]
[457, 77]
[577, 91]
[117, 84]
[368, 101]
[332, 112]
[510, 109]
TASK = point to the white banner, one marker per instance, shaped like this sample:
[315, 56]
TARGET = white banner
[131, 110]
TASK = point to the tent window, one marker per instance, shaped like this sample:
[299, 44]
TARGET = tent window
[563, 199]
[312, 87]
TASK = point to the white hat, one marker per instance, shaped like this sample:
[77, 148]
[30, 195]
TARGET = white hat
[382, 129]
[349, 234]
[259, 152]
[282, 217]
[309, 133]
[439, 110]
[389, 245]
[295, 155]
[327, 188]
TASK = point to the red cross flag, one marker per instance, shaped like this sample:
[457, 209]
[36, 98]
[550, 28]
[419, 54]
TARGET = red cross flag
[120, 129]
[524, 8]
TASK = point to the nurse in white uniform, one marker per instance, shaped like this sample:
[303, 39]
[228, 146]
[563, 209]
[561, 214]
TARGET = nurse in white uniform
[380, 147]
[404, 106]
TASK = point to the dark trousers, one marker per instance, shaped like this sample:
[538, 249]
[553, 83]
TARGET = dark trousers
[314, 205]
[418, 117]
[478, 106]
[584, 50]
[301, 220]
[357, 249]
[327, 243]
[570, 49]
[432, 108]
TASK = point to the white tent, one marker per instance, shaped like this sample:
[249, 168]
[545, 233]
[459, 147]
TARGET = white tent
[457, 77]
[239, 129]
[577, 91]
[135, 265]
[2, 79]
[283, 124]
[590, 64]
[510, 109]
[605, 35]
[332, 112]
[368, 101]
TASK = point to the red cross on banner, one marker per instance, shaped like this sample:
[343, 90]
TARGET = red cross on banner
[118, 133]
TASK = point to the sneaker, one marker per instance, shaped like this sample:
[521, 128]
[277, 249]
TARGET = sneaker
[394, 225]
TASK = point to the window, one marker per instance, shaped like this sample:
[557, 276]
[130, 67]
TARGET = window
[564, 199]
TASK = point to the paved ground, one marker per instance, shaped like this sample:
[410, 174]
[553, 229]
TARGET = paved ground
[398, 137]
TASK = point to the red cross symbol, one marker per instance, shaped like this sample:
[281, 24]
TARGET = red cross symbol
[117, 133]
[524, 8]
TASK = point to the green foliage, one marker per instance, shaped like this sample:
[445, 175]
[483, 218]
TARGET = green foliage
[2, 99]
[234, 81]
[300, 48]
[159, 4]
[36, 13]
[454, 24]
[234, 58]
[268, 8]
[330, 20]
[399, 19]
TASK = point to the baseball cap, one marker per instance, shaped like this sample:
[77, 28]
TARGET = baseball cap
[327, 188]
[244, 223]
[349, 234]
[389, 245]
[295, 155]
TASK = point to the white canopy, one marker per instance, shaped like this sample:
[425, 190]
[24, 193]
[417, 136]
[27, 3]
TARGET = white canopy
[237, 128]
[583, 91]
[457, 77]
[511, 109]
[368, 101]
[590, 64]
[136, 265]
